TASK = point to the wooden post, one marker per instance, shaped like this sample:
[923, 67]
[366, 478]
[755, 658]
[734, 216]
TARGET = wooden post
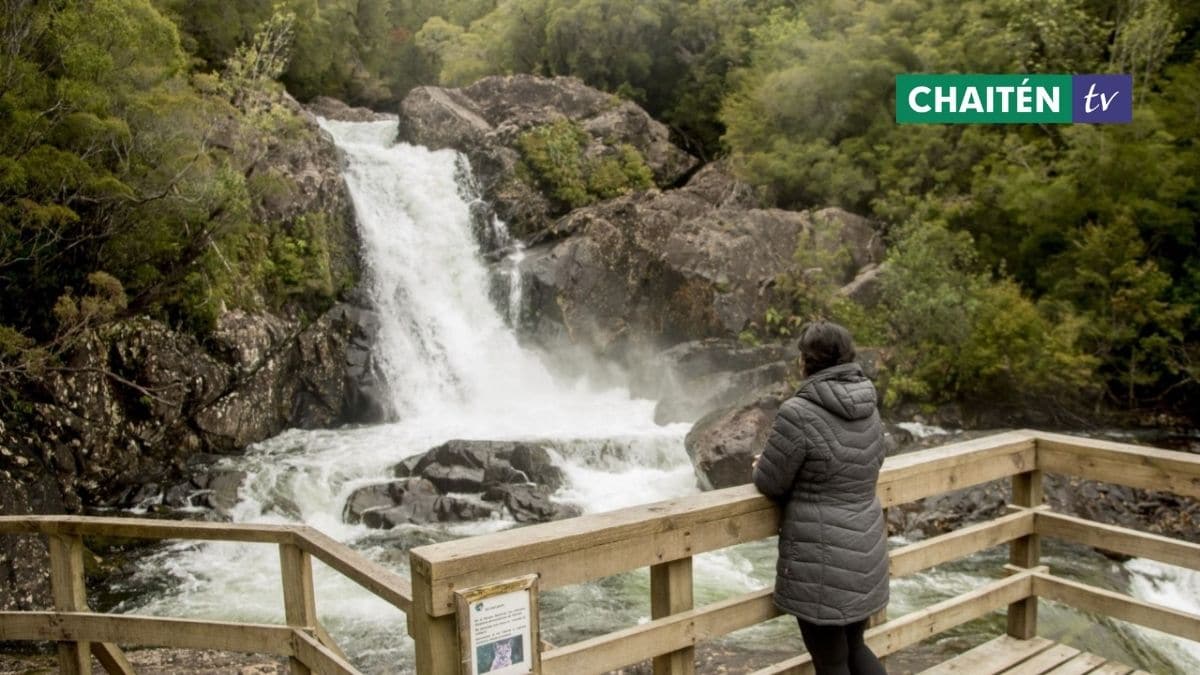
[70, 595]
[299, 600]
[670, 593]
[1025, 552]
[436, 637]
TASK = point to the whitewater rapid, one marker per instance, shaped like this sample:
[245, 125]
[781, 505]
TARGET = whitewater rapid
[455, 370]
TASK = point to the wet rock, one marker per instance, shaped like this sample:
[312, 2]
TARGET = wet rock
[333, 109]
[521, 477]
[293, 377]
[654, 269]
[408, 501]
[530, 503]
[366, 392]
[486, 119]
[722, 444]
[464, 466]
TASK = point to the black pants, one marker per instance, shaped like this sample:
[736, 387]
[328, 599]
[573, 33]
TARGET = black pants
[840, 650]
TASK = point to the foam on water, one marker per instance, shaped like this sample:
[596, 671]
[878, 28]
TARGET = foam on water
[1174, 587]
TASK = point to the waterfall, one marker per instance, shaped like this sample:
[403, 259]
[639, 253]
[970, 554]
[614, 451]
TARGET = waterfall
[454, 369]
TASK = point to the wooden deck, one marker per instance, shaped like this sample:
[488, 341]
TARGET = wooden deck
[1037, 656]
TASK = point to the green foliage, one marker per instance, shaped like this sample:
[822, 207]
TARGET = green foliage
[107, 162]
[555, 154]
[959, 334]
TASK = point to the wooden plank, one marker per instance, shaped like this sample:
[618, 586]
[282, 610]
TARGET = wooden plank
[1118, 606]
[985, 466]
[358, 568]
[112, 658]
[572, 567]
[1025, 552]
[1044, 661]
[961, 542]
[299, 600]
[146, 631]
[70, 595]
[1118, 539]
[436, 637]
[638, 643]
[992, 656]
[1082, 663]
[1112, 668]
[580, 549]
[1121, 463]
[145, 528]
[318, 658]
[937, 618]
[326, 639]
[671, 593]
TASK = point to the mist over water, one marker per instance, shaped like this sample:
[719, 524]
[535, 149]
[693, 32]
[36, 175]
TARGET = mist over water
[455, 369]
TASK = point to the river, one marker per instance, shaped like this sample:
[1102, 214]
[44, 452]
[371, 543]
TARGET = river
[456, 370]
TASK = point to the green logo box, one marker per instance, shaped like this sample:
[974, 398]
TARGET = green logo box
[983, 99]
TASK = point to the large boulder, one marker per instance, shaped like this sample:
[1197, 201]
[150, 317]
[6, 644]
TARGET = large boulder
[652, 269]
[471, 466]
[409, 500]
[722, 445]
[465, 480]
[486, 120]
[294, 376]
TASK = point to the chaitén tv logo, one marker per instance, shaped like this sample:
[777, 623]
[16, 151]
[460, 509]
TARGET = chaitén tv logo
[1014, 99]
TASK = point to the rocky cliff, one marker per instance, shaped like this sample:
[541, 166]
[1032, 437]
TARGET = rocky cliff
[488, 122]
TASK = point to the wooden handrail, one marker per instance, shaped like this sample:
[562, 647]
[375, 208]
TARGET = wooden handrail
[656, 535]
[304, 640]
[589, 547]
[370, 575]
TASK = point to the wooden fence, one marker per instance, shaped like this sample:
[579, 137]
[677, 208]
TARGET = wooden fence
[82, 634]
[664, 537]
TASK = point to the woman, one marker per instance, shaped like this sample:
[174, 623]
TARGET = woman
[821, 464]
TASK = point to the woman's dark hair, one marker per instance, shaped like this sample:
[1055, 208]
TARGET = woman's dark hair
[825, 344]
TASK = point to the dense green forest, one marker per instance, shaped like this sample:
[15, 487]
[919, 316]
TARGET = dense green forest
[1055, 266]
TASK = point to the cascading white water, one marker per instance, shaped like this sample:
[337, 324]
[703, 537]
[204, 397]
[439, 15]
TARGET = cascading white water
[455, 370]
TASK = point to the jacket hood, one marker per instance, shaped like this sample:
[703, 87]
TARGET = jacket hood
[842, 390]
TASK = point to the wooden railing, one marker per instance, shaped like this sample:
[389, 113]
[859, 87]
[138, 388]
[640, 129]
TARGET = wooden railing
[82, 634]
[666, 535]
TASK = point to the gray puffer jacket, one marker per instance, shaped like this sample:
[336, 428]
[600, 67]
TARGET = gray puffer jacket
[821, 463]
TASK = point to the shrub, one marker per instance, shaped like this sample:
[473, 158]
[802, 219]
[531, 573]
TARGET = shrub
[554, 157]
